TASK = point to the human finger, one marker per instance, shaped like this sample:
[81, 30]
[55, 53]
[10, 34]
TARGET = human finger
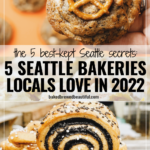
[148, 3]
[137, 26]
[139, 23]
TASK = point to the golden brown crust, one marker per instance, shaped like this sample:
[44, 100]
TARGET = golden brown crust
[26, 136]
[21, 137]
[6, 145]
[33, 126]
[122, 146]
[100, 31]
[96, 112]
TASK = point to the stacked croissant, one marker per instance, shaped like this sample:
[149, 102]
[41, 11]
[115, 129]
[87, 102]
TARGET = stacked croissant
[70, 126]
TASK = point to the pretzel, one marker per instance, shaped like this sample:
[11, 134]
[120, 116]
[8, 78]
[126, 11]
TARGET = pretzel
[103, 8]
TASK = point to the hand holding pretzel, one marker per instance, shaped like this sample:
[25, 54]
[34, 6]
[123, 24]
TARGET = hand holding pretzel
[139, 33]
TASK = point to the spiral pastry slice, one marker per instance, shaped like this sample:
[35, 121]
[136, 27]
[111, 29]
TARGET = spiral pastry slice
[79, 126]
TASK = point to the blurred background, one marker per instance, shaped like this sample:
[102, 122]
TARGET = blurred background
[26, 24]
[133, 119]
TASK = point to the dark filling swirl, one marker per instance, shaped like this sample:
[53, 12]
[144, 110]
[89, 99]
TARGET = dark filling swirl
[71, 143]
[73, 131]
[81, 130]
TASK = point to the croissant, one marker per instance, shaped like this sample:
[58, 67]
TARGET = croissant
[22, 139]
[79, 126]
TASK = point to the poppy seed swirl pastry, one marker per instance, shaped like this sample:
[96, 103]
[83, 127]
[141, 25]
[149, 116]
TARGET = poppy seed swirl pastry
[79, 126]
[93, 21]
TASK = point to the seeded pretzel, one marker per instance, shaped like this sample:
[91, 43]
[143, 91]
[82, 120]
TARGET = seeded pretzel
[103, 8]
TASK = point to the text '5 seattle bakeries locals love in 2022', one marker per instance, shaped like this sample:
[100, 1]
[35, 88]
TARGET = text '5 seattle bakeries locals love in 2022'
[74, 74]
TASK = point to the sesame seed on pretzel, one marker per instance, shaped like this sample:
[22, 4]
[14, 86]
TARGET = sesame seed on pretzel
[103, 8]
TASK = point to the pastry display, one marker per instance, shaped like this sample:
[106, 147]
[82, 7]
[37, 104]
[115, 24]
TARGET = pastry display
[70, 126]
[29, 5]
[93, 21]
[5, 32]
[51, 37]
